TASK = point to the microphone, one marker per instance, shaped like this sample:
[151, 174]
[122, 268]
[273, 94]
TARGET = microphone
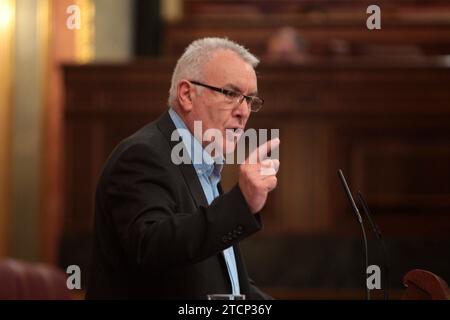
[358, 216]
[381, 242]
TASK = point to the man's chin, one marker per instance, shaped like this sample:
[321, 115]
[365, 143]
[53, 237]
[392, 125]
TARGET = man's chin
[229, 147]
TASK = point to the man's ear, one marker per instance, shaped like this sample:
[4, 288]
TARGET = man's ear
[184, 94]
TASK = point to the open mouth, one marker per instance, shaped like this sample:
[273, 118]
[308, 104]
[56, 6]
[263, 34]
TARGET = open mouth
[234, 133]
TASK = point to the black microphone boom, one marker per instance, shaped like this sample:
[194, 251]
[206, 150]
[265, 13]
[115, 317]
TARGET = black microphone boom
[358, 215]
[377, 233]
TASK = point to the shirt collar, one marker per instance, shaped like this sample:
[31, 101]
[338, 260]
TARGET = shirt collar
[204, 163]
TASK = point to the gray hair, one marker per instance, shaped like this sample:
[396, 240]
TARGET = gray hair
[197, 54]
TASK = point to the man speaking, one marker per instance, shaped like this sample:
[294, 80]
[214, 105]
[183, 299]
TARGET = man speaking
[165, 230]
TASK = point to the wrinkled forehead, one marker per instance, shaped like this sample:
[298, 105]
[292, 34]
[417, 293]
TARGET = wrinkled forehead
[227, 67]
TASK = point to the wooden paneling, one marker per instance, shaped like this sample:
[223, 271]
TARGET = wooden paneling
[387, 126]
[427, 33]
[277, 7]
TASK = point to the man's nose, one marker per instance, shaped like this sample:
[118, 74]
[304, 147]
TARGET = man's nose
[243, 109]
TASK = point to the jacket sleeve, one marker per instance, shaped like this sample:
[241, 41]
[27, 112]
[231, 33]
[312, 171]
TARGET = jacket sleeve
[139, 194]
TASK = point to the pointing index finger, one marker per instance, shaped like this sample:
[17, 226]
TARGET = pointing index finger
[261, 152]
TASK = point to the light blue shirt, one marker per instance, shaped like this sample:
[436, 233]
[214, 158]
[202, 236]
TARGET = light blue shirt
[208, 172]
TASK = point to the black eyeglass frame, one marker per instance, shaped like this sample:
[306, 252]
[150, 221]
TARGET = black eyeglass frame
[230, 93]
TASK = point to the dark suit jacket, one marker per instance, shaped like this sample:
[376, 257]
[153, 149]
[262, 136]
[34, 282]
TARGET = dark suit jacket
[155, 235]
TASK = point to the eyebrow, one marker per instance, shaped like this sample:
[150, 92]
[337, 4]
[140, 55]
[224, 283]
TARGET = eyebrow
[236, 88]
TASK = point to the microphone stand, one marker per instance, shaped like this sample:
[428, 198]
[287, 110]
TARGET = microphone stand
[377, 233]
[359, 218]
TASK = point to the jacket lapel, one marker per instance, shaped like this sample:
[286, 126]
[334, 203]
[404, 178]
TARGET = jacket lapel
[166, 125]
[191, 178]
[219, 187]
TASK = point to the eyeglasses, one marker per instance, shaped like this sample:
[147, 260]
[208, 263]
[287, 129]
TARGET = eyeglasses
[255, 103]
